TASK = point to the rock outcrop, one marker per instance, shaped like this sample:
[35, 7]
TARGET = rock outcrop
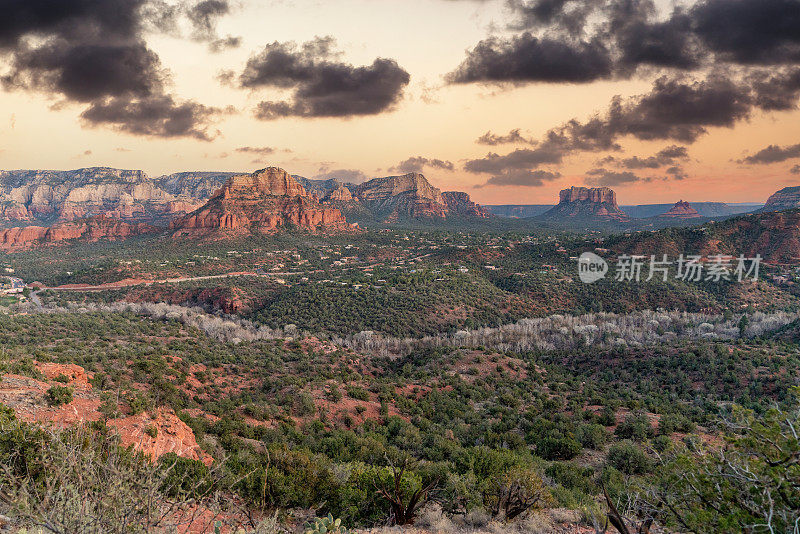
[459, 203]
[264, 201]
[340, 194]
[681, 210]
[54, 196]
[91, 229]
[785, 199]
[410, 196]
[585, 204]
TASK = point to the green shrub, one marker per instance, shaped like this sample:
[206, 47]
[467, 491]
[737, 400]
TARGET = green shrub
[552, 448]
[627, 457]
[59, 395]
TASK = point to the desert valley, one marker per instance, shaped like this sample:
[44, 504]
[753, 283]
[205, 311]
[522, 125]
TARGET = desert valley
[400, 267]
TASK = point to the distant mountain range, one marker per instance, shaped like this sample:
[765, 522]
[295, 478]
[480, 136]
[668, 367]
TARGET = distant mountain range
[31, 197]
[641, 211]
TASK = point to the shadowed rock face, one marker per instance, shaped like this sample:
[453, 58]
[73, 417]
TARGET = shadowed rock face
[459, 203]
[681, 210]
[412, 196]
[263, 201]
[785, 199]
[583, 203]
[340, 194]
[92, 229]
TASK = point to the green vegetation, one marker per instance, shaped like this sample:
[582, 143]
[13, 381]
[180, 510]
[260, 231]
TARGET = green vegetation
[59, 395]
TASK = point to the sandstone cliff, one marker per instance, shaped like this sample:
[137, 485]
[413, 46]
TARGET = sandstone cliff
[459, 203]
[398, 197]
[785, 199]
[585, 204]
[52, 196]
[92, 229]
[263, 201]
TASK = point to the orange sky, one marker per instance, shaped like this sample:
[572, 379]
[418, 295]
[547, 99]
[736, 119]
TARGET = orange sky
[428, 38]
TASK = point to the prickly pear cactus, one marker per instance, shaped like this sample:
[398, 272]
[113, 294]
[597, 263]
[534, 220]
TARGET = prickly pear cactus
[325, 525]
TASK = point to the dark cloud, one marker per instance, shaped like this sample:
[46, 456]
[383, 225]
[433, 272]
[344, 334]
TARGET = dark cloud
[581, 41]
[224, 43]
[203, 17]
[520, 159]
[513, 137]
[795, 169]
[418, 164]
[84, 72]
[677, 172]
[608, 178]
[772, 154]
[519, 167]
[677, 108]
[160, 116]
[521, 177]
[776, 89]
[93, 52]
[760, 32]
[568, 15]
[640, 40]
[662, 158]
[322, 85]
[527, 58]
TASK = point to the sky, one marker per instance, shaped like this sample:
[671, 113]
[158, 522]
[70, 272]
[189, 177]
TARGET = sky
[508, 100]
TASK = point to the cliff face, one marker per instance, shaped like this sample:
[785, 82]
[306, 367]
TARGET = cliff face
[582, 203]
[681, 210]
[263, 201]
[42, 198]
[92, 229]
[784, 199]
[398, 197]
[51, 196]
[460, 204]
[340, 194]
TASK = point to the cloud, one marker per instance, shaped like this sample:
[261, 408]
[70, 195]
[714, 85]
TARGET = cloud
[772, 154]
[581, 41]
[204, 16]
[607, 178]
[160, 116]
[522, 177]
[260, 151]
[749, 31]
[795, 169]
[322, 85]
[527, 58]
[512, 137]
[662, 158]
[677, 172]
[93, 52]
[418, 163]
[518, 167]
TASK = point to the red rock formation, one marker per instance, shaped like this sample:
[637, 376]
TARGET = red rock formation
[460, 204]
[92, 229]
[27, 397]
[407, 196]
[158, 434]
[681, 210]
[785, 199]
[263, 201]
[583, 203]
[340, 194]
